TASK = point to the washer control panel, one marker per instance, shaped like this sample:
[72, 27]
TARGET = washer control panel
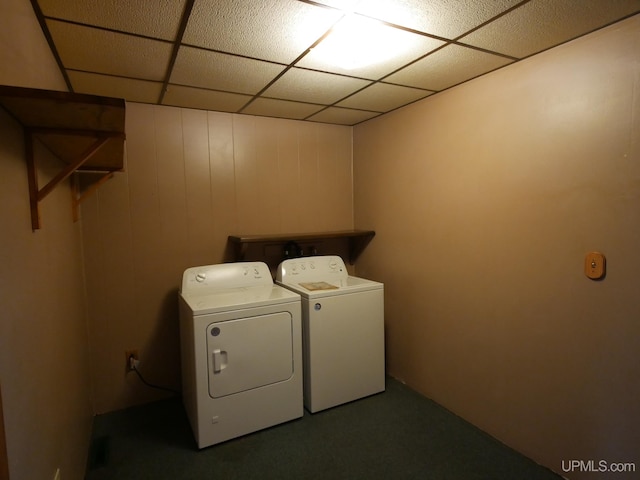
[310, 269]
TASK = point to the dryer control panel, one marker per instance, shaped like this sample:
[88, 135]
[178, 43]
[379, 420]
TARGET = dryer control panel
[312, 269]
[209, 278]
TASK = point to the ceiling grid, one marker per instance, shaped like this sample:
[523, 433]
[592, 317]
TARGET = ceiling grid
[268, 58]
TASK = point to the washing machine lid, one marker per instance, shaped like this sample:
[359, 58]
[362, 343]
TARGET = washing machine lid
[330, 287]
[321, 276]
[235, 298]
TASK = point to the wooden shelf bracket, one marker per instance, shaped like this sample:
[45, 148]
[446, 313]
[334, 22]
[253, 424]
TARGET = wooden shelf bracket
[36, 194]
[86, 132]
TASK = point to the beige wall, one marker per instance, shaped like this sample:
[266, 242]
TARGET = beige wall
[192, 179]
[43, 337]
[485, 199]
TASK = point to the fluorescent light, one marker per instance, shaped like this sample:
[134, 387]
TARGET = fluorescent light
[357, 41]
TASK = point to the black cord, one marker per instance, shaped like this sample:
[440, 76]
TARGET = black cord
[152, 385]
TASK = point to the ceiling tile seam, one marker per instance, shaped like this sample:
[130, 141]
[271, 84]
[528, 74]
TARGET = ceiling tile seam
[414, 61]
[261, 91]
[294, 101]
[437, 50]
[231, 54]
[492, 19]
[291, 65]
[484, 50]
[446, 40]
[308, 117]
[184, 85]
[47, 34]
[568, 40]
[337, 74]
[335, 104]
[325, 105]
[186, 13]
[471, 78]
[434, 92]
[588, 32]
[404, 85]
[382, 21]
[106, 29]
[126, 77]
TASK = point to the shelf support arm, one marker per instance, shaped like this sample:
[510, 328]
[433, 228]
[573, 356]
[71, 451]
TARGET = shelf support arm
[72, 167]
[36, 195]
[32, 175]
[77, 198]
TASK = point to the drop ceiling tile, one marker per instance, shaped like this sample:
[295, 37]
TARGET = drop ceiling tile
[179, 96]
[219, 71]
[122, 48]
[269, 107]
[382, 97]
[108, 86]
[443, 18]
[101, 51]
[410, 47]
[541, 24]
[448, 66]
[342, 116]
[273, 30]
[316, 87]
[159, 19]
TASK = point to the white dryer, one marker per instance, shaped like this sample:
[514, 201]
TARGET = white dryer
[343, 330]
[241, 349]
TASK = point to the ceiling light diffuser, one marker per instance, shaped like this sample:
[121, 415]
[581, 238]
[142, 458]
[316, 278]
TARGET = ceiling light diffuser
[358, 41]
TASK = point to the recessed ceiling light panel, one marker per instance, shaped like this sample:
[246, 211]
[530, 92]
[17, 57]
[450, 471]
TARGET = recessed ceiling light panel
[357, 41]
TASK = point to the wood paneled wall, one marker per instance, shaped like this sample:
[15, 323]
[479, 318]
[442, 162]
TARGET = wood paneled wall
[192, 178]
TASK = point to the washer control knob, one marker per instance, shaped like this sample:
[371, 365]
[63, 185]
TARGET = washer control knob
[201, 277]
[317, 306]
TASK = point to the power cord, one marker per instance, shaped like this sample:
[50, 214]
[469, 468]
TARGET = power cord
[133, 364]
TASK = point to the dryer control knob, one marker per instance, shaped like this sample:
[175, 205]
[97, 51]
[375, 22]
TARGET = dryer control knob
[201, 277]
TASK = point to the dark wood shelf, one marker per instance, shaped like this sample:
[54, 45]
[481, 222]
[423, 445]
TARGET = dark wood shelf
[86, 132]
[358, 240]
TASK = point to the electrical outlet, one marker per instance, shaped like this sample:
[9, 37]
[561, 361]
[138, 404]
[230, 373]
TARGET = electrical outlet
[128, 354]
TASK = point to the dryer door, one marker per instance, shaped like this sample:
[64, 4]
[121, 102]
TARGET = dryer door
[249, 353]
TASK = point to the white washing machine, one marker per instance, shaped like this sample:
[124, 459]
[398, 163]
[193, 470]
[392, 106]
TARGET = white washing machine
[342, 330]
[241, 348]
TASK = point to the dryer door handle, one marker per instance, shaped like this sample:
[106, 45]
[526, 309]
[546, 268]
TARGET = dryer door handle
[219, 360]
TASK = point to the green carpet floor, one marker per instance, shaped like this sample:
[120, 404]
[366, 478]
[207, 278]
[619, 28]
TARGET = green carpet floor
[397, 434]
